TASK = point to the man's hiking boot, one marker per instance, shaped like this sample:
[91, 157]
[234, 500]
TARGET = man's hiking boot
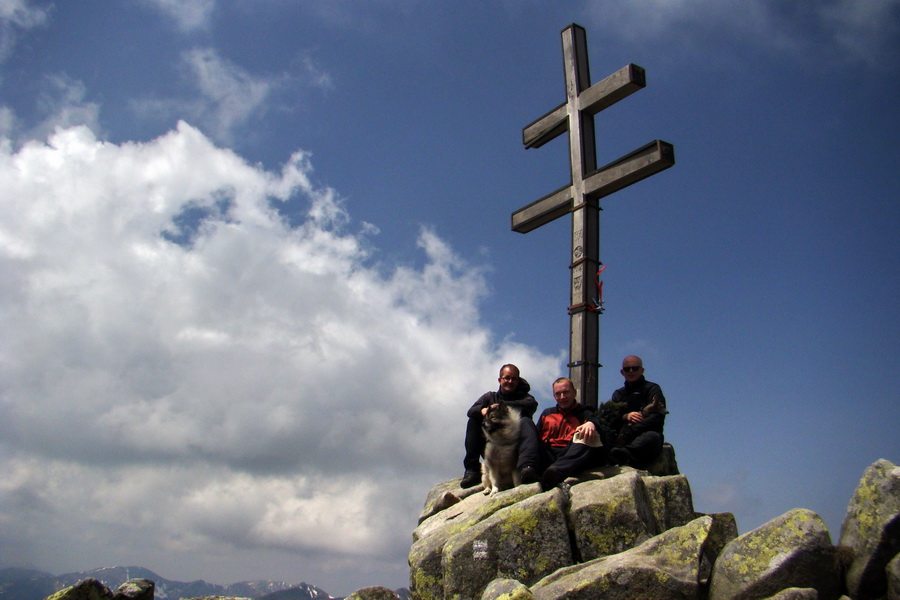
[551, 478]
[470, 479]
[528, 475]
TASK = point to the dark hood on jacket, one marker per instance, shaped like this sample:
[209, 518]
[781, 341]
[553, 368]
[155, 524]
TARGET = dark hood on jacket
[521, 390]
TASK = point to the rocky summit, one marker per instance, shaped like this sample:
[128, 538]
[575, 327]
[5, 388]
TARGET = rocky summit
[622, 534]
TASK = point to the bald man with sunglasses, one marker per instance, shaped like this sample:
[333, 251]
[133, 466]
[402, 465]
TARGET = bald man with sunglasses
[640, 426]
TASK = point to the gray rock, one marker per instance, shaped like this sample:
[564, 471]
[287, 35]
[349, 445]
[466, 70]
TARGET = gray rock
[664, 567]
[135, 589]
[893, 578]
[724, 529]
[425, 573]
[795, 594]
[373, 593]
[670, 501]
[86, 589]
[872, 529]
[626, 534]
[665, 463]
[611, 515]
[793, 550]
[506, 589]
[524, 542]
[471, 509]
[444, 495]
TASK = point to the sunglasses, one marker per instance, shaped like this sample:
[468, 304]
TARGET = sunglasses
[631, 369]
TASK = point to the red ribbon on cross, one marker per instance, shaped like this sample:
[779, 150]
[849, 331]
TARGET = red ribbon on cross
[598, 303]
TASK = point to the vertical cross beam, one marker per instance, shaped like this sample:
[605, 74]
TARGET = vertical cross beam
[584, 325]
[581, 197]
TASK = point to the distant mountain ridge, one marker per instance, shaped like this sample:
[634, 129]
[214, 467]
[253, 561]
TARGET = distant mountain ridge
[26, 584]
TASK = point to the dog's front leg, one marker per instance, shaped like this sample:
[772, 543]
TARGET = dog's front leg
[486, 482]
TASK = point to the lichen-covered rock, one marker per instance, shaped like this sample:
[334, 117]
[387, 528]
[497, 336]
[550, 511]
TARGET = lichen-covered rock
[523, 542]
[506, 589]
[664, 567]
[724, 529]
[444, 495]
[611, 515]
[472, 509]
[893, 578]
[670, 501]
[665, 463]
[795, 594]
[373, 593]
[86, 589]
[425, 572]
[793, 550]
[135, 589]
[872, 529]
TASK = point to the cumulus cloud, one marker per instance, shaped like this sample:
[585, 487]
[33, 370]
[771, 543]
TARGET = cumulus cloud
[63, 103]
[832, 30]
[227, 97]
[230, 94]
[16, 15]
[21, 13]
[863, 29]
[206, 354]
[187, 14]
[8, 122]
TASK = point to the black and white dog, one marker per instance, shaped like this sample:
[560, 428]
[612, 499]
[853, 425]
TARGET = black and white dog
[501, 430]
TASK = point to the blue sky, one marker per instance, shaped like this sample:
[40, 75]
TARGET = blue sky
[256, 263]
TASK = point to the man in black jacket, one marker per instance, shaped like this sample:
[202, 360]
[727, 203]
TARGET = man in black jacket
[641, 417]
[513, 392]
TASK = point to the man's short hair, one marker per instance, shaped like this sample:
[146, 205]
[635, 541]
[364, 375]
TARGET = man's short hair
[510, 366]
[561, 379]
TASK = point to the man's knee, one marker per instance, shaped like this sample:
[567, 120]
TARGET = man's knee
[646, 446]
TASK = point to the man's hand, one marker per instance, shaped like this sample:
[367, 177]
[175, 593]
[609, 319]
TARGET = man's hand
[485, 409]
[587, 430]
[634, 417]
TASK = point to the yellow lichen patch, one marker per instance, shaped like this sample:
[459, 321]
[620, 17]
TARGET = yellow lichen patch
[427, 587]
[765, 548]
[517, 519]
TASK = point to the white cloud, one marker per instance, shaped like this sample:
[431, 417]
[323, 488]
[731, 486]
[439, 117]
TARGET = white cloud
[230, 94]
[187, 14]
[17, 15]
[254, 388]
[63, 103]
[832, 30]
[227, 97]
[316, 77]
[21, 13]
[7, 122]
[863, 29]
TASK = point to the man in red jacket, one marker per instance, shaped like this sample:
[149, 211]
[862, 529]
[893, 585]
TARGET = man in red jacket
[566, 439]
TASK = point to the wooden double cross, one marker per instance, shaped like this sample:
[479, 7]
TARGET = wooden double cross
[581, 197]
